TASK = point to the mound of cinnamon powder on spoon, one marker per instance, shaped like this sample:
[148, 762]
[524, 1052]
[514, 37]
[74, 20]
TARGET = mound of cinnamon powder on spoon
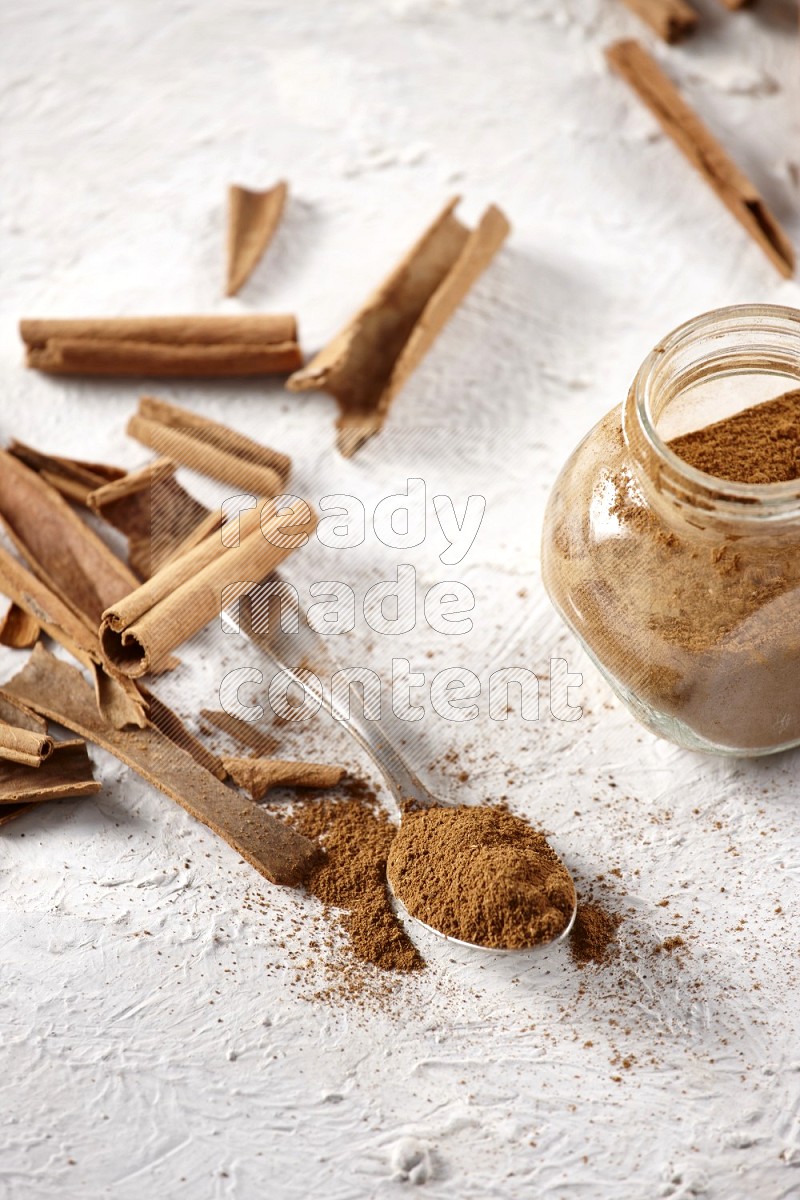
[481, 875]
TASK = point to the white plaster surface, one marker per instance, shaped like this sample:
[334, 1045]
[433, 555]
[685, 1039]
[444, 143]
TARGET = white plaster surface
[153, 1039]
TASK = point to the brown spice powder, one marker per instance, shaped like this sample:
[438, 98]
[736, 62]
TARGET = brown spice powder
[356, 835]
[593, 933]
[482, 875]
[759, 445]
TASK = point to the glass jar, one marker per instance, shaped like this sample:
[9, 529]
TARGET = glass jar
[685, 588]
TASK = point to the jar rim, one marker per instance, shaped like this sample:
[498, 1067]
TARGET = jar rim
[710, 491]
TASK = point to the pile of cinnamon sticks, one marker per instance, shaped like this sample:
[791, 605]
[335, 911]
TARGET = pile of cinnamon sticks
[121, 621]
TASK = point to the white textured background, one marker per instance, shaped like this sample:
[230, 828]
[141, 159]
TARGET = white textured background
[153, 1039]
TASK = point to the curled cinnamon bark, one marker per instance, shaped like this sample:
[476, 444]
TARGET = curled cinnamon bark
[367, 363]
[154, 512]
[253, 218]
[72, 477]
[66, 772]
[18, 629]
[26, 746]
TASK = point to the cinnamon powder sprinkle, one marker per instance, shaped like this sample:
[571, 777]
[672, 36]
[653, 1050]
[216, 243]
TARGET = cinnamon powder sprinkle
[592, 934]
[356, 834]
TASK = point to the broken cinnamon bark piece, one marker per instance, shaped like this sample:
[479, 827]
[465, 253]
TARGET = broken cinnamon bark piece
[154, 512]
[208, 447]
[367, 363]
[170, 724]
[672, 20]
[139, 632]
[642, 73]
[258, 775]
[18, 629]
[200, 347]
[58, 691]
[72, 477]
[243, 732]
[253, 218]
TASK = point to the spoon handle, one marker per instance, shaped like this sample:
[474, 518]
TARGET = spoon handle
[402, 782]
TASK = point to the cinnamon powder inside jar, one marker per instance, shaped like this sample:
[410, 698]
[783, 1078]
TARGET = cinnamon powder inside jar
[481, 875]
[759, 445]
[697, 622]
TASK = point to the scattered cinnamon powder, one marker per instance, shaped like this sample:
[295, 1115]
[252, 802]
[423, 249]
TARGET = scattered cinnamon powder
[356, 835]
[593, 933]
[482, 875]
[759, 445]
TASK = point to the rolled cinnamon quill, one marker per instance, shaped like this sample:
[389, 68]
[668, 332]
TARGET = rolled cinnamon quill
[204, 346]
[209, 447]
[26, 746]
[18, 628]
[138, 633]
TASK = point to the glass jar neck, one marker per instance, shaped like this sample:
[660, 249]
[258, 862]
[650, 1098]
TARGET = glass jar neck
[741, 340]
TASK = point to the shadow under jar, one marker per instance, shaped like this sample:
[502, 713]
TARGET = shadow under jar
[684, 588]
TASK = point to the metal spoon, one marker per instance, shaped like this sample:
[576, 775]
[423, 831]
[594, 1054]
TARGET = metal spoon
[404, 784]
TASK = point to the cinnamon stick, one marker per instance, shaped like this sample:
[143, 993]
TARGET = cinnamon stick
[60, 548]
[154, 512]
[77, 572]
[17, 714]
[72, 477]
[209, 447]
[60, 693]
[368, 361]
[632, 62]
[253, 218]
[26, 746]
[672, 20]
[168, 346]
[259, 775]
[119, 699]
[18, 629]
[138, 632]
[66, 772]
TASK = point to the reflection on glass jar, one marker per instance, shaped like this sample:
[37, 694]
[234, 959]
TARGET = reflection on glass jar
[684, 587]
